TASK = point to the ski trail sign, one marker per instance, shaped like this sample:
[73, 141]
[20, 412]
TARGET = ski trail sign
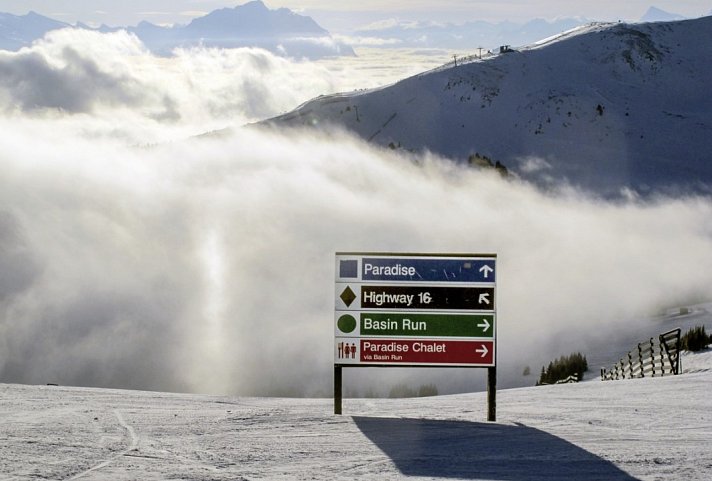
[415, 310]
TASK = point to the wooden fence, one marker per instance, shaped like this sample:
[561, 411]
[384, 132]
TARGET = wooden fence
[650, 359]
[570, 379]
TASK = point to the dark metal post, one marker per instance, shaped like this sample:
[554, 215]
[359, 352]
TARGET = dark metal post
[630, 364]
[492, 394]
[337, 389]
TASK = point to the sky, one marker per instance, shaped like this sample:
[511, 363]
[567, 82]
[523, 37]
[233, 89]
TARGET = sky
[339, 17]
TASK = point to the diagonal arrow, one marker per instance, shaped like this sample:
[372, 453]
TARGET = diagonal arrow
[484, 298]
[484, 325]
[483, 350]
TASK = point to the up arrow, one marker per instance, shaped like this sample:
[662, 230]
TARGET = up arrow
[484, 298]
[485, 325]
[483, 350]
[486, 270]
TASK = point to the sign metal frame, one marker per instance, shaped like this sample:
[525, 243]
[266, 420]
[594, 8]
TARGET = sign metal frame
[415, 310]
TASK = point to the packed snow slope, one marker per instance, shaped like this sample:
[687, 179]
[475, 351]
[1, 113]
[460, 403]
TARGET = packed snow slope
[646, 429]
[604, 106]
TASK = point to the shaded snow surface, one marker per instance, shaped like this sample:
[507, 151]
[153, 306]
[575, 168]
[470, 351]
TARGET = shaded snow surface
[644, 429]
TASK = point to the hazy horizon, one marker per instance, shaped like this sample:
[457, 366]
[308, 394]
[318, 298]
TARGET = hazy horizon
[351, 16]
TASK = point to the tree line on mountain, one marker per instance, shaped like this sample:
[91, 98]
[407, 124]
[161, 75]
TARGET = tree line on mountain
[695, 339]
[563, 367]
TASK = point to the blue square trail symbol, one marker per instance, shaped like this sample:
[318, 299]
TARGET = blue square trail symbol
[348, 268]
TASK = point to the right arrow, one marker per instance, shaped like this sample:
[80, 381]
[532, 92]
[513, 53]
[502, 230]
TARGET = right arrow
[483, 350]
[485, 325]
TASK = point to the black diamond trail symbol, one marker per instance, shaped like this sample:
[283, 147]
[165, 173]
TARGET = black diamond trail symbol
[348, 296]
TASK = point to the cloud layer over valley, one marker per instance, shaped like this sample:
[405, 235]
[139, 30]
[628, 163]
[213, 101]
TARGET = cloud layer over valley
[133, 255]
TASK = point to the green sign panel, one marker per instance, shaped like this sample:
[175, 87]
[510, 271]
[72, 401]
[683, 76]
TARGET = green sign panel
[426, 325]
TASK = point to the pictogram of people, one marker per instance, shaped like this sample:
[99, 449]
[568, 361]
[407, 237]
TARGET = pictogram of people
[346, 350]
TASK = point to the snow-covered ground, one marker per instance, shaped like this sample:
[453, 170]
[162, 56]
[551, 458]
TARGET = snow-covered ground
[644, 429]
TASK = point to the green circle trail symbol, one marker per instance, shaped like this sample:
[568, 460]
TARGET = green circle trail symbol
[346, 323]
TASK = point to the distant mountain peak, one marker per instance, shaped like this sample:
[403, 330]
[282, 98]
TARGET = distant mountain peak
[255, 19]
[655, 14]
[256, 4]
[17, 31]
[252, 24]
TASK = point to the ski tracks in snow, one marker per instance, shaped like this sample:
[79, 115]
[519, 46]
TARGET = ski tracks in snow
[133, 446]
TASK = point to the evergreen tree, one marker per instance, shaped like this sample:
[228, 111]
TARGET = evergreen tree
[563, 367]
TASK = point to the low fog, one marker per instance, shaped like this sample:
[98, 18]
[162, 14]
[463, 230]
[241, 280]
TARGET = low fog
[111, 85]
[136, 255]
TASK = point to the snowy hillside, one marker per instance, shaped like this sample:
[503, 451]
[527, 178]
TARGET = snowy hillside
[605, 106]
[644, 429]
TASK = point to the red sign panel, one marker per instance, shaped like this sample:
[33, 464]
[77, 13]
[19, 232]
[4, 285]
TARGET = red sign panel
[401, 351]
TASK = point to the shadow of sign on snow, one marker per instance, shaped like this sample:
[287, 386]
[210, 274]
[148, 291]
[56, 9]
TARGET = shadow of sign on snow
[467, 450]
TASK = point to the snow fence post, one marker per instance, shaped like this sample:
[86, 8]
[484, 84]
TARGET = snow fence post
[492, 394]
[337, 389]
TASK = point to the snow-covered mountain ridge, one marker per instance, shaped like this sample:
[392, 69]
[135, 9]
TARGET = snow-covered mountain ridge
[604, 106]
[250, 25]
[479, 33]
[281, 31]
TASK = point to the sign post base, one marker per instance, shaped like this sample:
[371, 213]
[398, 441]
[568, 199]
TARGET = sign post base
[337, 389]
[492, 394]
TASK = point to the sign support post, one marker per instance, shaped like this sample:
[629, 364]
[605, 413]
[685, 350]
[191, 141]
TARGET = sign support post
[337, 389]
[492, 394]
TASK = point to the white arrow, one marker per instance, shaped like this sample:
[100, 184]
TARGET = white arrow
[485, 325]
[486, 270]
[484, 298]
[483, 350]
